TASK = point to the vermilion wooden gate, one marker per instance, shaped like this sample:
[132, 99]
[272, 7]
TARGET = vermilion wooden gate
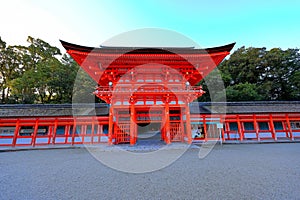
[129, 78]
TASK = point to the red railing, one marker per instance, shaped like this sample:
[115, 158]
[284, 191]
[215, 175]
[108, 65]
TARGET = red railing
[36, 131]
[285, 126]
[53, 130]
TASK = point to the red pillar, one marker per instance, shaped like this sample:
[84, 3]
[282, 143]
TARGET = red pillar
[289, 127]
[205, 128]
[16, 133]
[167, 125]
[83, 133]
[93, 130]
[33, 140]
[222, 121]
[272, 128]
[110, 126]
[73, 131]
[188, 124]
[241, 131]
[49, 134]
[54, 131]
[255, 127]
[132, 124]
[162, 128]
[67, 133]
[227, 130]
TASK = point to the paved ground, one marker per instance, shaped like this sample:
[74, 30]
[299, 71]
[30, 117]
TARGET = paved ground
[241, 171]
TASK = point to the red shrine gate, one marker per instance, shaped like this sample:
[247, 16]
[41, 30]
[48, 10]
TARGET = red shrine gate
[148, 86]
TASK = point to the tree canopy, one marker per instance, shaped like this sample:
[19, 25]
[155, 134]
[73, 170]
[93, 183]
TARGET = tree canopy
[38, 73]
[252, 74]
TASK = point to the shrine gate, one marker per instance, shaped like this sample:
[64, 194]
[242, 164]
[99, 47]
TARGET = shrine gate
[148, 87]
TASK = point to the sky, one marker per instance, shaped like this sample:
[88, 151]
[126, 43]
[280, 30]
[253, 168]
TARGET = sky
[209, 23]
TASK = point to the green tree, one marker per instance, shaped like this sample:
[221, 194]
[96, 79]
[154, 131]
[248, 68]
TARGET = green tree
[84, 87]
[214, 87]
[281, 67]
[40, 64]
[2, 68]
[244, 65]
[243, 92]
[10, 68]
[63, 80]
[272, 74]
[23, 88]
[294, 82]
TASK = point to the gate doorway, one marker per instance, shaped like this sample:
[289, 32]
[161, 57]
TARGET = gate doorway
[149, 131]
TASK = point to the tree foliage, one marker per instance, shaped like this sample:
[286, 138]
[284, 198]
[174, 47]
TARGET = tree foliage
[10, 69]
[258, 74]
[35, 74]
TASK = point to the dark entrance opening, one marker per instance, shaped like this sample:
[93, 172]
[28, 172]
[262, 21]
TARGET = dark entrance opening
[149, 131]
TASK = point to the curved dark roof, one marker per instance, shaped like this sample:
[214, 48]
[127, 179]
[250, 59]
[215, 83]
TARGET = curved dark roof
[146, 50]
[52, 110]
[251, 107]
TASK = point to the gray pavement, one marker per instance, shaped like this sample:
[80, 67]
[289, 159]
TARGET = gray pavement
[231, 171]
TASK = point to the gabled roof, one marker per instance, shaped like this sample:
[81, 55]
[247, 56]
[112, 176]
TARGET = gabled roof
[146, 50]
[105, 64]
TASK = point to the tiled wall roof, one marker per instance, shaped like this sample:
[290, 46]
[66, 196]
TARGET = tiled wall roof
[27, 110]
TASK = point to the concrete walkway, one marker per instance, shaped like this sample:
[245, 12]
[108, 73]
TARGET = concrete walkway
[253, 171]
[143, 144]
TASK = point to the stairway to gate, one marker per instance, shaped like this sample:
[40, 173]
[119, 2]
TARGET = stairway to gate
[150, 135]
[150, 143]
[151, 139]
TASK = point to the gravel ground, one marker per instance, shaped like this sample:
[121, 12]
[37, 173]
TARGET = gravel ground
[245, 171]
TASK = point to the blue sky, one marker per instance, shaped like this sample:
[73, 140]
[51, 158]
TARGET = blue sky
[269, 23]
